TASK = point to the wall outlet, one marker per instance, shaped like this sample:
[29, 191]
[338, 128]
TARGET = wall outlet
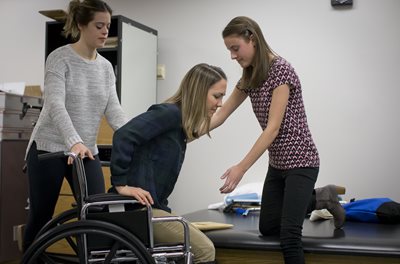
[18, 235]
[160, 71]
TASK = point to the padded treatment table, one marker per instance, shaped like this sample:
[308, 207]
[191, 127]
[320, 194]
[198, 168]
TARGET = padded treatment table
[361, 243]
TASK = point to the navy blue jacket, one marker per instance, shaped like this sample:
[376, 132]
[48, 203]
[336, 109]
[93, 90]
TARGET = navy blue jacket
[148, 152]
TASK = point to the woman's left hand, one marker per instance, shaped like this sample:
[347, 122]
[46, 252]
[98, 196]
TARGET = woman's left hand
[232, 178]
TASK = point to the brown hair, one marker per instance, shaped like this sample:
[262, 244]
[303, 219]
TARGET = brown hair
[246, 28]
[191, 97]
[81, 13]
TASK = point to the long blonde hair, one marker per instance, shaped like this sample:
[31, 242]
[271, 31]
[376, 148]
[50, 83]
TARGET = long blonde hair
[192, 98]
[81, 13]
[254, 75]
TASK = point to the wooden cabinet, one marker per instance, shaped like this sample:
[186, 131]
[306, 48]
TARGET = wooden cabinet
[66, 199]
[13, 196]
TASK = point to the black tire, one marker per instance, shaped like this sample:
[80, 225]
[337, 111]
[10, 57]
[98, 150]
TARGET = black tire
[118, 240]
[62, 218]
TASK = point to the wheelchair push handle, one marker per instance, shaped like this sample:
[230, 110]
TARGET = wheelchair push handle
[56, 155]
[52, 155]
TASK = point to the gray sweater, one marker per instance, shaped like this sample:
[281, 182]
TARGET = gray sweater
[77, 93]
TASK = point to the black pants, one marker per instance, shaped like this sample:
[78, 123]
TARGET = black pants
[45, 180]
[287, 197]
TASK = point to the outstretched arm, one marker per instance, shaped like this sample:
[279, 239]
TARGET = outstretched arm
[235, 99]
[234, 174]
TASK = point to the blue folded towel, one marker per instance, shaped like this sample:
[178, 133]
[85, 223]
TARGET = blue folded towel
[243, 198]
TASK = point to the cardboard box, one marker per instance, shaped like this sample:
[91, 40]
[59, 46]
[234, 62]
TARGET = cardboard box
[56, 14]
[13, 87]
[33, 90]
[19, 88]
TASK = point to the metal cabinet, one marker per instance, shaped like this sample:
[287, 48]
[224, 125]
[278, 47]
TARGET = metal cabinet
[17, 117]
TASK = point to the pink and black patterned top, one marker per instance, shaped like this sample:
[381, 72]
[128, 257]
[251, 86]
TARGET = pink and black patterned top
[294, 146]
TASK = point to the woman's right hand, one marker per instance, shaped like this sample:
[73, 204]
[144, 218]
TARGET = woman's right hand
[232, 178]
[80, 150]
[144, 197]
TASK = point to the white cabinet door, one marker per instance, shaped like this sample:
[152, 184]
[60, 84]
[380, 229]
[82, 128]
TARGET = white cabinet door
[138, 70]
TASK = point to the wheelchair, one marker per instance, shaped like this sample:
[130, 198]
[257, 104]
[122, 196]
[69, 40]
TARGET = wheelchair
[104, 228]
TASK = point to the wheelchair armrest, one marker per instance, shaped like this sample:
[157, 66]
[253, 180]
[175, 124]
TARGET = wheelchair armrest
[101, 197]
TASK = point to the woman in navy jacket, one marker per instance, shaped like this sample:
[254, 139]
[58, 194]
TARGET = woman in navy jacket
[149, 150]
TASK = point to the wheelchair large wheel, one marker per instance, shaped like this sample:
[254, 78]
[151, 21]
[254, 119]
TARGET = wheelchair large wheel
[89, 241]
[62, 218]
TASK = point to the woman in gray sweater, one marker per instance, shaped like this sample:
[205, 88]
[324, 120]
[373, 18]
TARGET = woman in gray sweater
[79, 88]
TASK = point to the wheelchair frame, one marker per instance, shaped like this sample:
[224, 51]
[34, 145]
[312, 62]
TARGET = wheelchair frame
[125, 246]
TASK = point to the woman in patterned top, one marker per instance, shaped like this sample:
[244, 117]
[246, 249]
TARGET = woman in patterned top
[275, 93]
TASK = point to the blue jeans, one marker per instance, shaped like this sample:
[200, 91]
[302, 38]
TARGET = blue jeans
[287, 197]
[45, 180]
